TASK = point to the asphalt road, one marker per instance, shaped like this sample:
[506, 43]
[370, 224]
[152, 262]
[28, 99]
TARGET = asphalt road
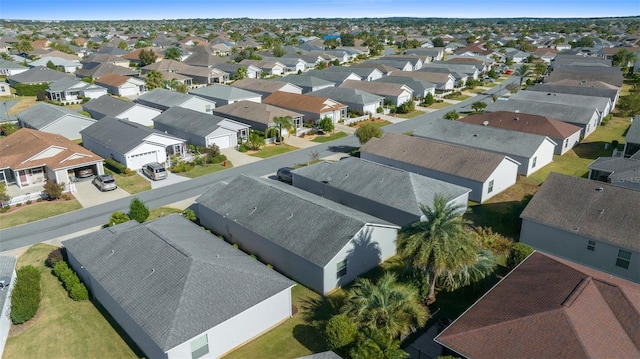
[83, 219]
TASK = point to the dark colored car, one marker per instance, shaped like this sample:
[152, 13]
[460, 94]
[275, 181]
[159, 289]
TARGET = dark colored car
[105, 182]
[284, 175]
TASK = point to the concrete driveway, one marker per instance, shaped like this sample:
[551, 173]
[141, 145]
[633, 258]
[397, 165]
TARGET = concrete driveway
[238, 158]
[172, 178]
[89, 195]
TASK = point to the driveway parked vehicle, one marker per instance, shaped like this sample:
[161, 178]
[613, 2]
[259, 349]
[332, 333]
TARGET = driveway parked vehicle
[154, 171]
[84, 172]
[105, 182]
[284, 175]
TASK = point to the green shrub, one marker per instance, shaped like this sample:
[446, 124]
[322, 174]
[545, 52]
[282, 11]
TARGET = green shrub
[118, 218]
[25, 297]
[18, 204]
[115, 166]
[340, 332]
[53, 190]
[367, 132]
[39, 200]
[190, 215]
[79, 292]
[518, 253]
[243, 148]
[70, 281]
[29, 202]
[138, 211]
[30, 90]
[606, 119]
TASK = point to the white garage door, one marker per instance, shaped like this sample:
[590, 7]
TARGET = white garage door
[137, 161]
[222, 141]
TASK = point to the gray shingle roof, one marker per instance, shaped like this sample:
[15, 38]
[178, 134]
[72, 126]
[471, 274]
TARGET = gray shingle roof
[38, 74]
[482, 137]
[335, 77]
[190, 121]
[5, 64]
[172, 278]
[577, 90]
[418, 86]
[66, 83]
[305, 224]
[229, 93]
[163, 98]
[633, 133]
[109, 131]
[347, 96]
[577, 205]
[304, 81]
[456, 160]
[564, 113]
[387, 185]
[42, 114]
[599, 103]
[7, 265]
[253, 111]
[107, 106]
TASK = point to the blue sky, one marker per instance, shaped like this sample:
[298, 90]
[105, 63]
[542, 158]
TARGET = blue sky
[161, 9]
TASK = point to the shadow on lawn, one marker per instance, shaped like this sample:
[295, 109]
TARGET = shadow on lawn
[127, 339]
[593, 150]
[310, 337]
[502, 217]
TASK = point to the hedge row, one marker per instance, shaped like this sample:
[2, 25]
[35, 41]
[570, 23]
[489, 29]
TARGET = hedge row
[70, 281]
[115, 166]
[25, 297]
[30, 90]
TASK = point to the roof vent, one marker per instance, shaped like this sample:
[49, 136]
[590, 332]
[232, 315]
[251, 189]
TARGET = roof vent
[517, 118]
[290, 216]
[475, 135]
[328, 180]
[253, 210]
[517, 111]
[599, 189]
[486, 123]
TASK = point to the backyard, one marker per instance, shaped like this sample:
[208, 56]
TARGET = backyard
[63, 328]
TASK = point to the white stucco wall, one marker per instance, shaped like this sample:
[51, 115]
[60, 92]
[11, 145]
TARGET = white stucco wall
[140, 114]
[199, 104]
[102, 150]
[5, 321]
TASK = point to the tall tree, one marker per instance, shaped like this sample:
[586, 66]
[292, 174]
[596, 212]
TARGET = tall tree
[24, 46]
[173, 53]
[154, 80]
[241, 73]
[522, 72]
[386, 306]
[440, 247]
[286, 123]
[367, 132]
[147, 57]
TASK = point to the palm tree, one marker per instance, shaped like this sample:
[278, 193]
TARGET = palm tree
[374, 345]
[173, 53]
[284, 122]
[24, 46]
[387, 307]
[523, 71]
[241, 73]
[440, 247]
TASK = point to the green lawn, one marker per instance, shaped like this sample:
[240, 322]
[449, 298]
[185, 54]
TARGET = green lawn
[36, 211]
[439, 105]
[132, 184]
[459, 98]
[270, 151]
[161, 212]
[198, 171]
[64, 328]
[412, 114]
[333, 136]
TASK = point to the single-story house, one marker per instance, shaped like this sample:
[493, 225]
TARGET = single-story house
[108, 106]
[134, 56]
[96, 70]
[548, 307]
[54, 119]
[485, 173]
[444, 81]
[420, 88]
[29, 157]
[586, 221]
[232, 69]
[366, 73]
[602, 104]
[398, 64]
[563, 134]
[356, 100]
[619, 171]
[10, 68]
[121, 85]
[259, 116]
[312, 107]
[632, 138]
[130, 143]
[532, 151]
[583, 117]
[36, 75]
[336, 77]
[5, 90]
[582, 88]
[201, 129]
[310, 239]
[415, 61]
[291, 64]
[178, 291]
[7, 271]
[266, 87]
[98, 57]
[306, 83]
[70, 90]
[396, 93]
[163, 99]
[224, 95]
[382, 191]
[607, 74]
[271, 68]
[204, 75]
[64, 65]
[463, 69]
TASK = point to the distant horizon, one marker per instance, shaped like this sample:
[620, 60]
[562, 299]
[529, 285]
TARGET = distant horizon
[121, 10]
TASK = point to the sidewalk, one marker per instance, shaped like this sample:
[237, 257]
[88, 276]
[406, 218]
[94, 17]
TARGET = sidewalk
[238, 158]
[299, 142]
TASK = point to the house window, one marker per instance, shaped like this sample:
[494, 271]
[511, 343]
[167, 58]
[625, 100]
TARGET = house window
[342, 269]
[591, 245]
[490, 187]
[199, 347]
[533, 162]
[208, 108]
[624, 257]
[566, 143]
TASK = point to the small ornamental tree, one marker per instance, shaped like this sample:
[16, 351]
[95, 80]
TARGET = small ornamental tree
[428, 100]
[53, 190]
[367, 132]
[4, 196]
[518, 253]
[325, 124]
[340, 332]
[451, 115]
[25, 297]
[478, 106]
[138, 211]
